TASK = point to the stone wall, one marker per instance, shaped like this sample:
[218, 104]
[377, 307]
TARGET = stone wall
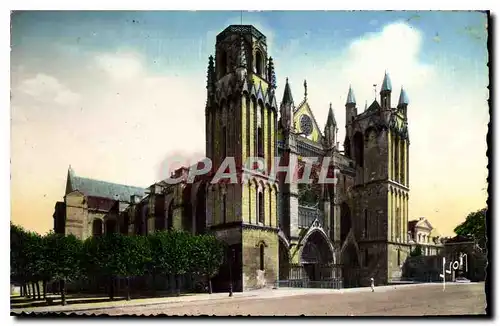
[253, 276]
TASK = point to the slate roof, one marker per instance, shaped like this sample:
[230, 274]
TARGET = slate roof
[403, 98]
[98, 188]
[350, 97]
[386, 84]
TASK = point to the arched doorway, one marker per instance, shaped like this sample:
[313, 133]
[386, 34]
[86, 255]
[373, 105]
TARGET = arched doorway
[284, 261]
[317, 257]
[350, 263]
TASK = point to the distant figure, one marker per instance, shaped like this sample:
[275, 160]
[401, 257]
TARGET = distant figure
[372, 285]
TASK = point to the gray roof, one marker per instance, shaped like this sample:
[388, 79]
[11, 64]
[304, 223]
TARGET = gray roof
[350, 97]
[403, 97]
[98, 188]
[386, 84]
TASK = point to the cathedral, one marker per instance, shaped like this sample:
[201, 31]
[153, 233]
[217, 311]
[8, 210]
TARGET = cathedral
[277, 231]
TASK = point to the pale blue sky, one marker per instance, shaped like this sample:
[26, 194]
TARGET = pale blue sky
[111, 92]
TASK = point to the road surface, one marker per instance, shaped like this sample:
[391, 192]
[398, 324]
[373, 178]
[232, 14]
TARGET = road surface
[425, 299]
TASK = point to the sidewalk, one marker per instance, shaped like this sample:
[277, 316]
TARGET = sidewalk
[254, 294]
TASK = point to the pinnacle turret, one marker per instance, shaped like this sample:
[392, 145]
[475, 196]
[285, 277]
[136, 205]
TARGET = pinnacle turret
[403, 98]
[350, 97]
[386, 84]
[330, 121]
[287, 95]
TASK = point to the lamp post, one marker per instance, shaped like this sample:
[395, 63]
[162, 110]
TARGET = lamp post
[231, 260]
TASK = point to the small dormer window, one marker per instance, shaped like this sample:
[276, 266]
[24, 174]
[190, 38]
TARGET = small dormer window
[259, 63]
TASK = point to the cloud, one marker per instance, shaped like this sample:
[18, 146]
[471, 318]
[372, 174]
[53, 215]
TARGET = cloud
[47, 89]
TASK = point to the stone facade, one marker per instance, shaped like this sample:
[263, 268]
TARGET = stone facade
[355, 229]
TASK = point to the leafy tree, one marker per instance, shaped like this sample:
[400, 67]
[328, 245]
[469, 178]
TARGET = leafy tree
[136, 254]
[207, 256]
[107, 256]
[18, 257]
[416, 252]
[474, 227]
[62, 258]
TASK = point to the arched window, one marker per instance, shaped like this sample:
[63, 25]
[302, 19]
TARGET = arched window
[224, 142]
[259, 62]
[170, 218]
[224, 216]
[223, 63]
[261, 256]
[396, 159]
[347, 147]
[366, 223]
[260, 202]
[359, 149]
[97, 228]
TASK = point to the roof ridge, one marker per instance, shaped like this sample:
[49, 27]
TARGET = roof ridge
[109, 182]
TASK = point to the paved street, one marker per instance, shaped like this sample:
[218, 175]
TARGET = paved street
[418, 300]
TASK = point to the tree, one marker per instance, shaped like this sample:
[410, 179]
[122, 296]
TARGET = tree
[474, 227]
[63, 255]
[136, 254]
[18, 257]
[107, 256]
[207, 256]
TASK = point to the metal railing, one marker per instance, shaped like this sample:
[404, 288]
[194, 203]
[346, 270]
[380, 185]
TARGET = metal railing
[335, 283]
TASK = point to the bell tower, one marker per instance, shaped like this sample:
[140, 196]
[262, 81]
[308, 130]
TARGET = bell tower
[241, 123]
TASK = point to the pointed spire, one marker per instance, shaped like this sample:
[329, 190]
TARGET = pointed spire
[70, 171]
[270, 73]
[366, 105]
[386, 84]
[331, 117]
[403, 98]
[350, 97]
[287, 94]
[210, 74]
[305, 89]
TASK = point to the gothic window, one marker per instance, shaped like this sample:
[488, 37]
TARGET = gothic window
[97, 228]
[398, 224]
[366, 224]
[260, 142]
[399, 257]
[259, 63]
[347, 148]
[396, 159]
[249, 105]
[260, 203]
[124, 226]
[224, 210]
[224, 142]
[306, 125]
[223, 63]
[359, 149]
[261, 248]
[110, 226]
[170, 218]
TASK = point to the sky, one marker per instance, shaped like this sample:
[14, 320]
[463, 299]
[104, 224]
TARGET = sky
[116, 94]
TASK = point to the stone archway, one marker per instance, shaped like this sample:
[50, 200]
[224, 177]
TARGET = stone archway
[284, 261]
[317, 257]
[350, 264]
